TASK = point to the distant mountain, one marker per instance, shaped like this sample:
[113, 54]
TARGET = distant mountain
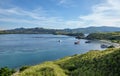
[52, 31]
[31, 31]
[96, 29]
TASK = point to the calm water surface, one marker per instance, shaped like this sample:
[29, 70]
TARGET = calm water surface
[17, 50]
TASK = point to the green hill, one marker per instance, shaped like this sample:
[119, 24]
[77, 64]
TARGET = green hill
[93, 63]
[112, 36]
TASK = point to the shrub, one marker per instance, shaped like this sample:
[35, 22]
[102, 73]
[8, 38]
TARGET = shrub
[5, 71]
[23, 68]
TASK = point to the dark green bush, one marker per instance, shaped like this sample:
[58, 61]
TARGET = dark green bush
[5, 71]
[23, 68]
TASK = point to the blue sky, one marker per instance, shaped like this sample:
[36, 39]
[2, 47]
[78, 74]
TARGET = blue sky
[59, 14]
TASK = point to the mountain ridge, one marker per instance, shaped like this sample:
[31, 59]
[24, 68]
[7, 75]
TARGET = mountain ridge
[39, 30]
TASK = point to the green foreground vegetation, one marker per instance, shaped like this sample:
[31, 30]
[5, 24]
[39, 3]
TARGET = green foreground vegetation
[92, 63]
[6, 71]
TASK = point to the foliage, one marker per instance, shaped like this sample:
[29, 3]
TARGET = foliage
[94, 63]
[23, 68]
[111, 46]
[6, 71]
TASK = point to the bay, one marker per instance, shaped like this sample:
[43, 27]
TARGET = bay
[17, 50]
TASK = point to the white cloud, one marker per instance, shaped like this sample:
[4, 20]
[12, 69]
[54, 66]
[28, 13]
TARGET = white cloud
[104, 14]
[74, 23]
[65, 3]
[36, 17]
[20, 12]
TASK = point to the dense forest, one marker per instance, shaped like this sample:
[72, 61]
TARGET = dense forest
[112, 36]
[92, 63]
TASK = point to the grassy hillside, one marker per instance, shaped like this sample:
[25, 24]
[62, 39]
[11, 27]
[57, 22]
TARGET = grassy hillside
[113, 36]
[93, 63]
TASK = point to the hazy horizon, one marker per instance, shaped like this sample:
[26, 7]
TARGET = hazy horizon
[59, 28]
[59, 14]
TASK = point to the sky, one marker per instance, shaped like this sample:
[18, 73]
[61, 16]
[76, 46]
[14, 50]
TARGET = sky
[59, 14]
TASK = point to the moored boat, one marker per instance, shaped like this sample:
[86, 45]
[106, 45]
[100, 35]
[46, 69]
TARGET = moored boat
[77, 42]
[104, 46]
[88, 41]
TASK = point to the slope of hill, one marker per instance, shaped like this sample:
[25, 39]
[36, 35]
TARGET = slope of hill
[97, 29]
[93, 63]
[112, 36]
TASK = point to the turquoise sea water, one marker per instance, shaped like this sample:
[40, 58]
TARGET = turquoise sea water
[17, 50]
